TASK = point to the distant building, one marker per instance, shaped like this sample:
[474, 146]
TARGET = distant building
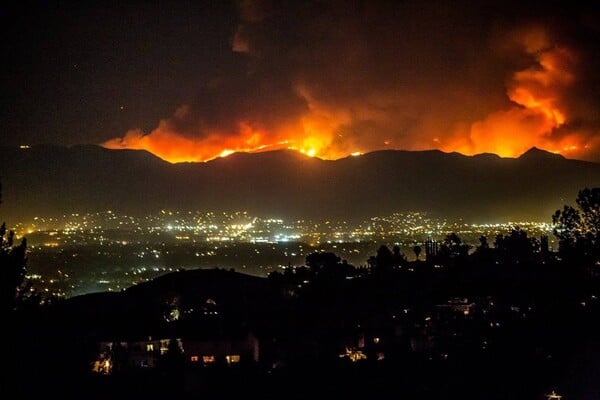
[219, 350]
[223, 350]
[431, 248]
[131, 354]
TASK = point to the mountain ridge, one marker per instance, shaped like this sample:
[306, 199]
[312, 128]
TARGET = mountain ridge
[43, 180]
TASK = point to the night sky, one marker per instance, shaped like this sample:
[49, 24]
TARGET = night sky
[195, 80]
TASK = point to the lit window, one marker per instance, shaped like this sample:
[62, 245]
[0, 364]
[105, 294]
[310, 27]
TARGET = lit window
[232, 358]
[164, 347]
[150, 347]
[194, 358]
[208, 359]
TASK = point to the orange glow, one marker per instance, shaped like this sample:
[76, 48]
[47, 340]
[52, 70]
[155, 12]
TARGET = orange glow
[539, 88]
[310, 136]
[538, 111]
[225, 153]
[537, 116]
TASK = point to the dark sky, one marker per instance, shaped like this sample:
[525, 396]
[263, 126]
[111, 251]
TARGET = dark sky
[192, 80]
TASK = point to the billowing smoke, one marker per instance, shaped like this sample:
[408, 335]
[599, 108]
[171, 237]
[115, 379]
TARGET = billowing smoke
[538, 105]
[335, 78]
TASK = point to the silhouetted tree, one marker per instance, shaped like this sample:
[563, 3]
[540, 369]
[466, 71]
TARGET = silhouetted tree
[328, 266]
[119, 356]
[453, 247]
[348, 269]
[173, 361]
[544, 246]
[483, 254]
[319, 260]
[516, 247]
[417, 250]
[398, 259]
[383, 260]
[483, 243]
[13, 263]
[578, 229]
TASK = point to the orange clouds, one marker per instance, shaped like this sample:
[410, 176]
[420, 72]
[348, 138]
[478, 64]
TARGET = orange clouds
[340, 95]
[538, 93]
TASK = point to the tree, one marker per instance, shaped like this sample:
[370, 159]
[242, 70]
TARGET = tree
[328, 265]
[516, 247]
[417, 250]
[578, 229]
[119, 357]
[318, 261]
[483, 254]
[173, 360]
[483, 244]
[384, 259]
[13, 261]
[398, 259]
[453, 246]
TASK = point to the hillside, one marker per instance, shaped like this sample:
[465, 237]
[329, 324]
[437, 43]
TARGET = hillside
[53, 180]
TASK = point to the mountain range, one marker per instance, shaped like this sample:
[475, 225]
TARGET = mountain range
[49, 180]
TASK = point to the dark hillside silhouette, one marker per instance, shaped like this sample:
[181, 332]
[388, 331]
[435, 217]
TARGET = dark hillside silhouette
[59, 180]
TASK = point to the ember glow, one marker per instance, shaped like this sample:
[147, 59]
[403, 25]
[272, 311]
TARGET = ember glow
[342, 95]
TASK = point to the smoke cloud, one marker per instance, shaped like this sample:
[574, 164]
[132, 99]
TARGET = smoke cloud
[335, 78]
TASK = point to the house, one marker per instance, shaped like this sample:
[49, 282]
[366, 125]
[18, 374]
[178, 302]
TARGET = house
[224, 350]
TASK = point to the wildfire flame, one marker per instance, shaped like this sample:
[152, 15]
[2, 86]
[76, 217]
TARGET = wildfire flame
[536, 93]
[535, 112]
[308, 137]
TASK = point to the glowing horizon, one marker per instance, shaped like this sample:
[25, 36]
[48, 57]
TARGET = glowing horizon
[537, 110]
[226, 153]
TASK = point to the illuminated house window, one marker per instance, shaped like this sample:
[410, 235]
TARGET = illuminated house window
[208, 359]
[194, 358]
[232, 358]
[164, 346]
[150, 347]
